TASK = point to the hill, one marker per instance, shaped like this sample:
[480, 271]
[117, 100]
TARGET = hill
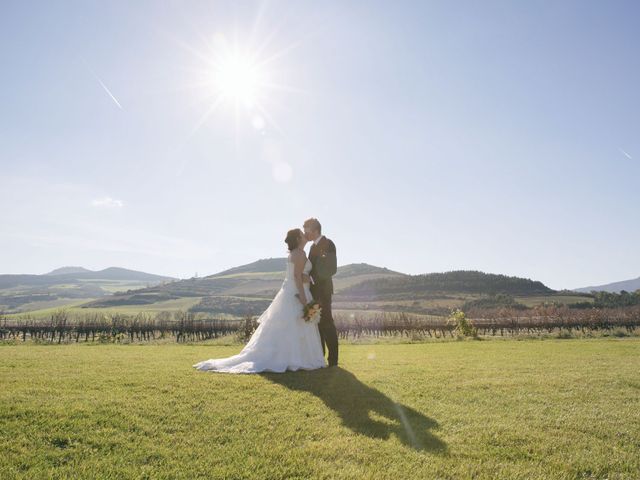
[65, 275]
[244, 290]
[365, 269]
[461, 281]
[266, 265]
[23, 293]
[65, 270]
[615, 287]
[248, 290]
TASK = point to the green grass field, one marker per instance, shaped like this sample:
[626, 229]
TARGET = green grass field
[74, 308]
[566, 299]
[471, 409]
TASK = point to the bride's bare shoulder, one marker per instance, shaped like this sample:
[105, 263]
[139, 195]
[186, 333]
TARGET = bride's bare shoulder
[297, 256]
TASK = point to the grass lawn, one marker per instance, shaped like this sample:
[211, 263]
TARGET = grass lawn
[474, 409]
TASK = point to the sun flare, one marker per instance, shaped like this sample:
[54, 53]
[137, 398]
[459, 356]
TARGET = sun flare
[239, 79]
[242, 81]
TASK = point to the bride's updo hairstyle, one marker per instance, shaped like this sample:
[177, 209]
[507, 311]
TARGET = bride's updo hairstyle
[293, 238]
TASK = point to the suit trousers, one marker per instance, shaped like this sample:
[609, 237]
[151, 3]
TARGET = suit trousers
[326, 326]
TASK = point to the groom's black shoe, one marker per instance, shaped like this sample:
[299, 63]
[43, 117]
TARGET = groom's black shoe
[332, 365]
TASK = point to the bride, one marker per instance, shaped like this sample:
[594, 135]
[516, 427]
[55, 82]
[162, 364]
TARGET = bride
[283, 340]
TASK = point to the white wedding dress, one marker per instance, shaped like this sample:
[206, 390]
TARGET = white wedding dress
[282, 341]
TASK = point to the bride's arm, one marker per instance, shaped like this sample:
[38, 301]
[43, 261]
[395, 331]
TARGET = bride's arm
[298, 267]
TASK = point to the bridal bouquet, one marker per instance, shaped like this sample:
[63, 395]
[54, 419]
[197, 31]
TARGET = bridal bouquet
[311, 311]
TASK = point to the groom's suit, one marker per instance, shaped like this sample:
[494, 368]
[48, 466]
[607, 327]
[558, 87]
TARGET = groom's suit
[324, 265]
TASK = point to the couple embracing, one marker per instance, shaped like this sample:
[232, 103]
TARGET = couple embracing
[285, 338]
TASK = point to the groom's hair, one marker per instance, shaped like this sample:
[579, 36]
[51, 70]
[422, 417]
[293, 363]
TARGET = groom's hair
[313, 224]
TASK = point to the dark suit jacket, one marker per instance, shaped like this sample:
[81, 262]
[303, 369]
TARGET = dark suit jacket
[324, 266]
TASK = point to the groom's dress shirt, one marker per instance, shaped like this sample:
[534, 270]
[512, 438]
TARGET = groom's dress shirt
[315, 242]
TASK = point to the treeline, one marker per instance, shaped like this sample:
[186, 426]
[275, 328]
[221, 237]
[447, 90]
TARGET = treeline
[611, 300]
[187, 326]
[14, 301]
[461, 281]
[501, 300]
[61, 327]
[135, 299]
[239, 307]
[495, 322]
[554, 318]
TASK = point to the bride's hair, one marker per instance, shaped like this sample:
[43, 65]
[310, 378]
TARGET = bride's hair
[293, 238]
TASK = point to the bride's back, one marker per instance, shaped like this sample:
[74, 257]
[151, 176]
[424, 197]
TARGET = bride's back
[289, 275]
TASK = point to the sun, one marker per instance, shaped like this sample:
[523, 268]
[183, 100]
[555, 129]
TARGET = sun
[240, 84]
[238, 78]
[242, 81]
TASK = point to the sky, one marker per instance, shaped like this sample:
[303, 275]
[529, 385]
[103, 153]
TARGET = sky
[184, 138]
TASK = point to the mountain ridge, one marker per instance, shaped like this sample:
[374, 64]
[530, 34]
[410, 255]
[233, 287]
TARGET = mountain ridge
[248, 289]
[278, 264]
[8, 280]
[27, 292]
[67, 270]
[257, 280]
[614, 287]
[466, 281]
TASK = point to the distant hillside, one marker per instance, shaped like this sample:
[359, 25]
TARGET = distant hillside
[462, 281]
[615, 287]
[66, 270]
[117, 273]
[265, 265]
[364, 269]
[248, 290]
[254, 282]
[271, 265]
[60, 276]
[23, 293]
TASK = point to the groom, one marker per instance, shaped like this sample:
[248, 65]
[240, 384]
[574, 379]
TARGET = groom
[324, 265]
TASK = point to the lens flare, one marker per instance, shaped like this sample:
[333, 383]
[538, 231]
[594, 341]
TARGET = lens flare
[237, 78]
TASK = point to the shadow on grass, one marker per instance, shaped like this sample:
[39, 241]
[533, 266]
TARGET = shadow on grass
[364, 409]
